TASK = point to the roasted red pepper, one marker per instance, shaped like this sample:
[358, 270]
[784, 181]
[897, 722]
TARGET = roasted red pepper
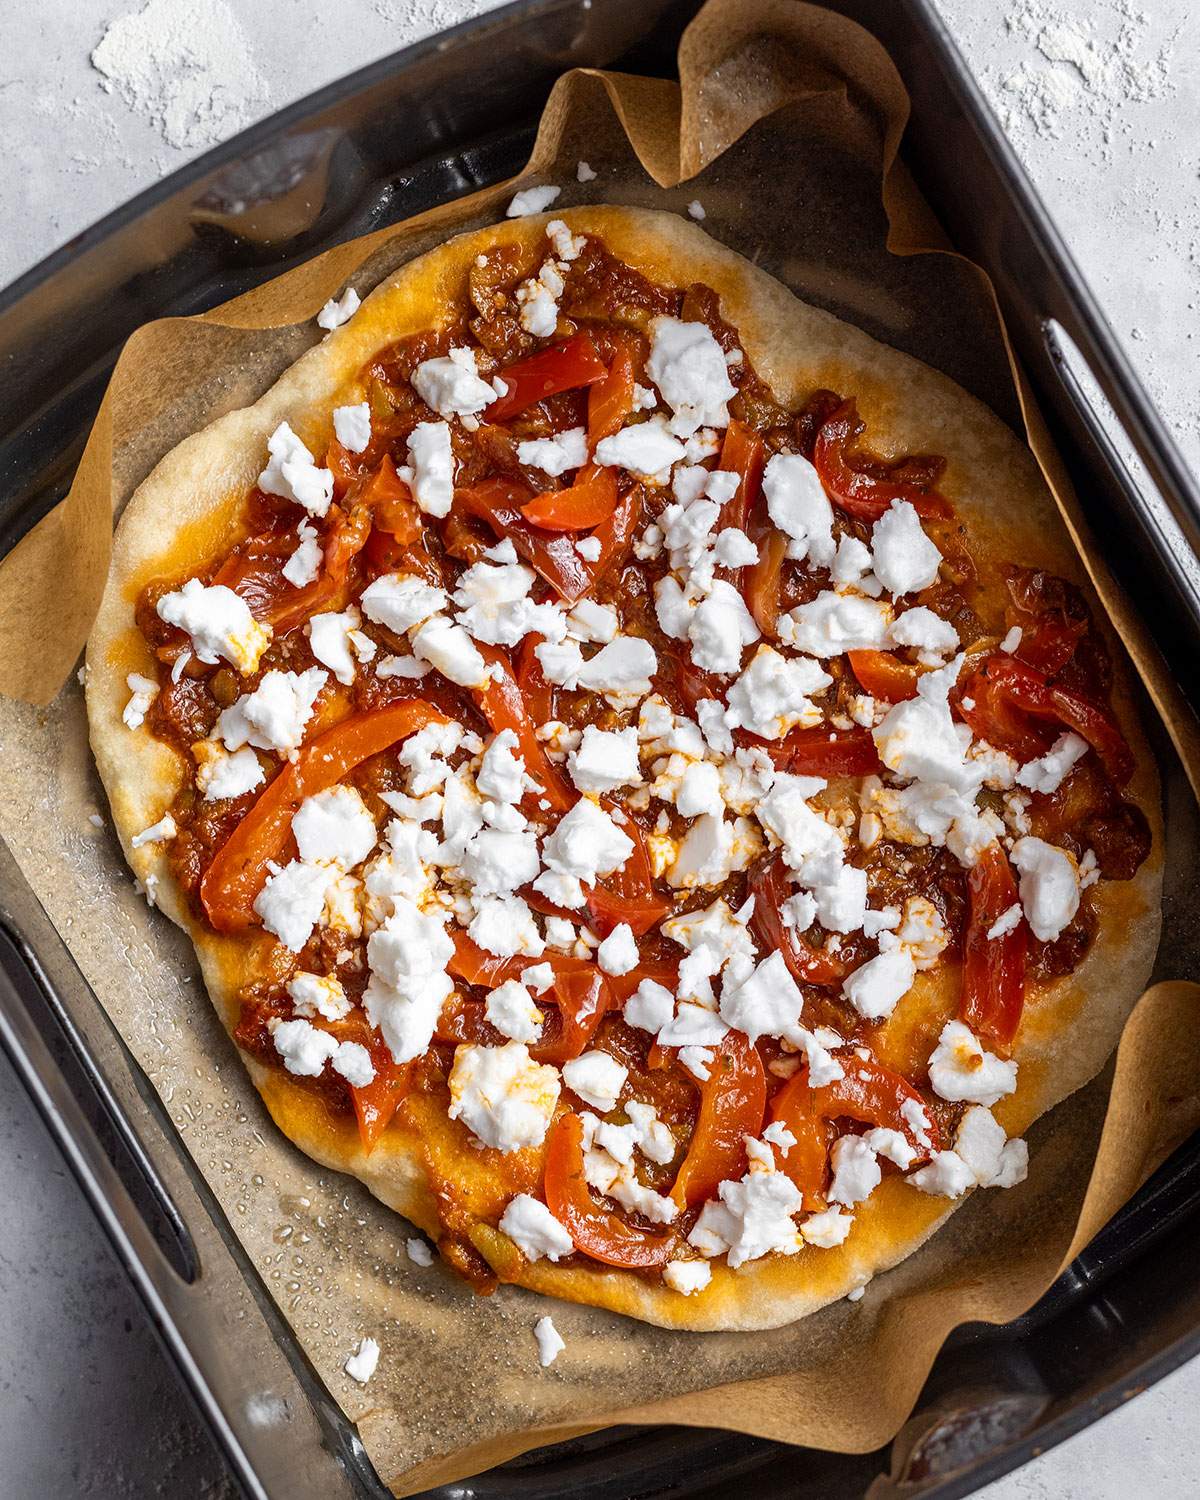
[610, 400]
[861, 493]
[769, 884]
[579, 507]
[597, 1232]
[503, 706]
[238, 870]
[628, 894]
[566, 367]
[732, 1104]
[993, 971]
[883, 676]
[376, 1103]
[826, 752]
[869, 1092]
[741, 454]
[1007, 694]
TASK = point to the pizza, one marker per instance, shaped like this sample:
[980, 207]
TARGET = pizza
[648, 782]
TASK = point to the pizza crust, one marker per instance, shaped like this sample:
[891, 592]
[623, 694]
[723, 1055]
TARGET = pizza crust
[178, 516]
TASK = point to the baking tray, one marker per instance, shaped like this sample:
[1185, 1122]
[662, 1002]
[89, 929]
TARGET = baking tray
[427, 124]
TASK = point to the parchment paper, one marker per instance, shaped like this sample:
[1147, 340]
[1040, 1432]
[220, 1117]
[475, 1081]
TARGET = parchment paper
[785, 126]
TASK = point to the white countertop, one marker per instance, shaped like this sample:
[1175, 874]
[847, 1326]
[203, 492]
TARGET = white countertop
[1108, 131]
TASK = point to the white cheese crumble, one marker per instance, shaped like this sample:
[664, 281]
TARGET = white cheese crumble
[401, 600]
[556, 454]
[597, 1078]
[688, 366]
[1046, 773]
[352, 426]
[905, 558]
[339, 310]
[452, 385]
[160, 832]
[549, 1341]
[960, 1068]
[143, 692]
[687, 1277]
[534, 1229]
[502, 1096]
[431, 467]
[1049, 886]
[275, 715]
[292, 473]
[532, 200]
[511, 1010]
[220, 775]
[604, 759]
[219, 623]
[304, 564]
[361, 1365]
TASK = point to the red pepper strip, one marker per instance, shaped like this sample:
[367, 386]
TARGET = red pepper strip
[376, 1103]
[597, 1232]
[664, 971]
[537, 693]
[498, 502]
[741, 454]
[564, 368]
[771, 889]
[1053, 617]
[611, 400]
[580, 992]
[993, 973]
[732, 1104]
[391, 502]
[882, 676]
[579, 507]
[860, 494]
[762, 582]
[1012, 683]
[628, 894]
[869, 1092]
[503, 706]
[824, 752]
[238, 870]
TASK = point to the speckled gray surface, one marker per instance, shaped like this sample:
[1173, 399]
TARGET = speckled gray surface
[1102, 101]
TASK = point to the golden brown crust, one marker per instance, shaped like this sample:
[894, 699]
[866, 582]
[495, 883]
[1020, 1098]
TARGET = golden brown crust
[176, 518]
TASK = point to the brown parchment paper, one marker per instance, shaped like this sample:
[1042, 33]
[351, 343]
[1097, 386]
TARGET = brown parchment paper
[785, 125]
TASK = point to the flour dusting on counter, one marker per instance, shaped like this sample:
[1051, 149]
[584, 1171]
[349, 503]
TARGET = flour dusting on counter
[186, 64]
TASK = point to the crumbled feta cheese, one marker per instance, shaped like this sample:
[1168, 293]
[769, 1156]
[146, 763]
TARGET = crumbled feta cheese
[589, 548]
[318, 995]
[537, 299]
[339, 310]
[624, 666]
[960, 1068]
[933, 637]
[399, 601]
[905, 558]
[811, 846]
[618, 953]
[451, 384]
[501, 774]
[502, 1096]
[699, 791]
[431, 465]
[292, 900]
[712, 849]
[687, 1277]
[799, 507]
[511, 1010]
[303, 1049]
[878, 986]
[534, 1229]
[945, 1176]
[1049, 886]
[505, 926]
[832, 623]
[144, 690]
[994, 1161]
[556, 454]
[586, 844]
[1005, 923]
[644, 448]
[549, 1341]
[334, 827]
[496, 861]
[597, 1078]
[604, 759]
[329, 637]
[688, 366]
[828, 1229]
[451, 650]
[774, 693]
[418, 1252]
[589, 621]
[765, 1002]
[361, 1365]
[752, 1218]
[842, 902]
[584, 173]
[918, 739]
[1046, 773]
[720, 626]
[160, 832]
[856, 1172]
[292, 473]
[220, 775]
[275, 715]
[353, 1062]
[352, 426]
[304, 564]
[650, 1007]
[532, 200]
[219, 623]
[922, 932]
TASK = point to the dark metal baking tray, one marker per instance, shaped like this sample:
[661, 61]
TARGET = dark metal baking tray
[428, 124]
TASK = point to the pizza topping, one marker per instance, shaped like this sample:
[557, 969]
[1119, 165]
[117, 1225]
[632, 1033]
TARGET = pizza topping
[534, 1229]
[363, 1362]
[960, 1068]
[158, 833]
[219, 624]
[726, 741]
[339, 310]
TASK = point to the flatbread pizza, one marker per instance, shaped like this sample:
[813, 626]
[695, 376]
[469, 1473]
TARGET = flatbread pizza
[650, 788]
